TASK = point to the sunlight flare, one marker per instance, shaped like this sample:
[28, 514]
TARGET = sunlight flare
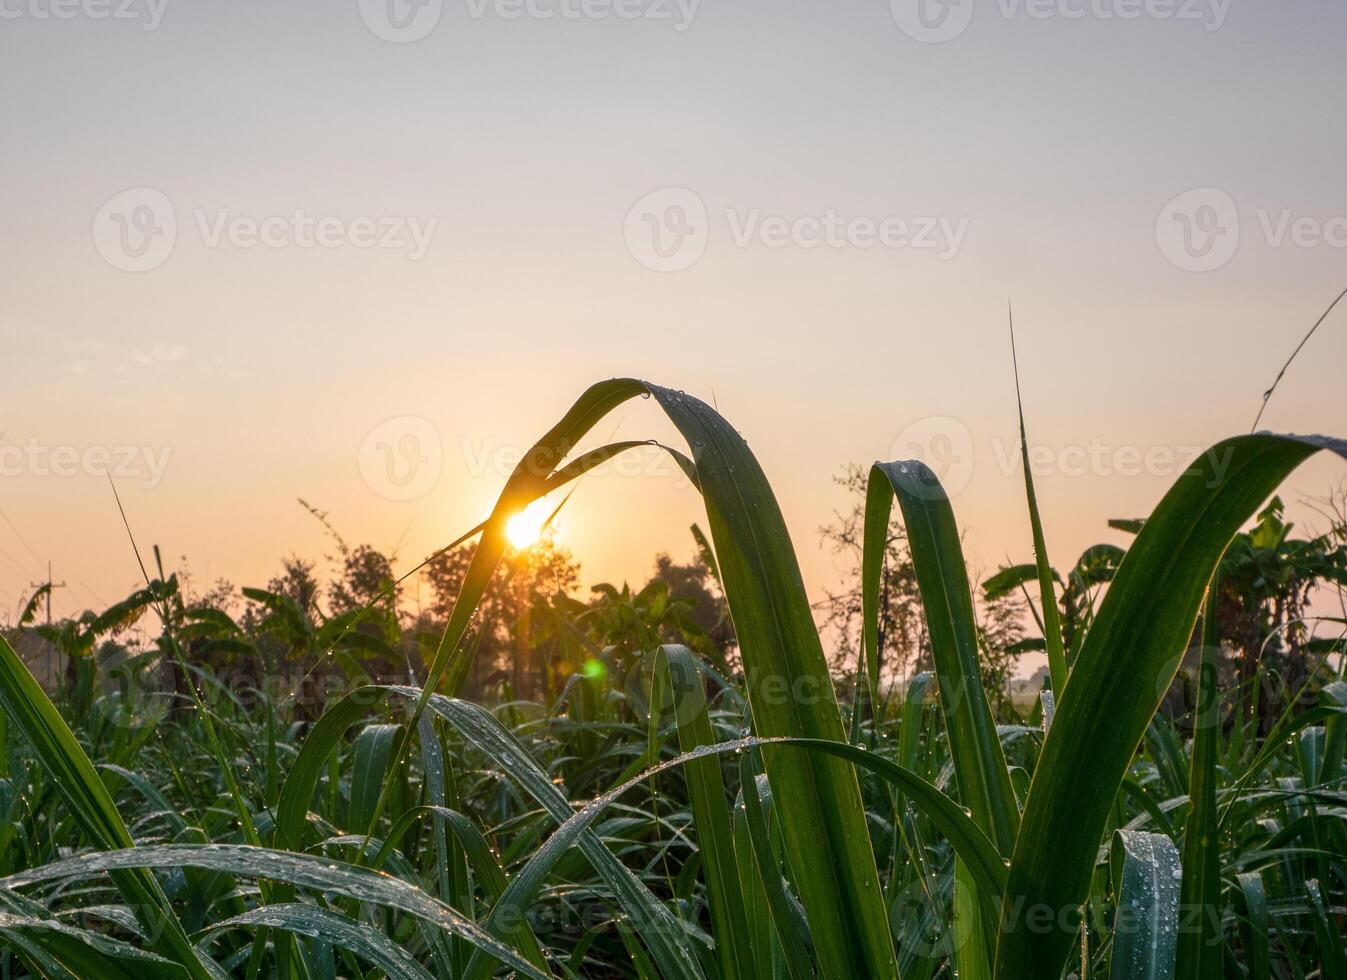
[526, 527]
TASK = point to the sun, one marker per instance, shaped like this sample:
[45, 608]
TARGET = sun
[526, 527]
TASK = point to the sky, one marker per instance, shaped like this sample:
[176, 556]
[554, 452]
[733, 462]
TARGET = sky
[362, 252]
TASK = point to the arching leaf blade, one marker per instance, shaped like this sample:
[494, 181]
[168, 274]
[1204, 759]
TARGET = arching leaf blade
[1120, 675]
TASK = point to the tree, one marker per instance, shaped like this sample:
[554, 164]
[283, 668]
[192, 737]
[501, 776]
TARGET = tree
[501, 634]
[1267, 580]
[367, 580]
[299, 583]
[696, 584]
[903, 641]
[1000, 641]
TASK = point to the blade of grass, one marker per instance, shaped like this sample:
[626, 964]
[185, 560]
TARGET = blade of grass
[676, 668]
[1267, 395]
[947, 601]
[1145, 935]
[768, 956]
[1254, 923]
[1326, 935]
[374, 748]
[792, 934]
[973, 943]
[1120, 676]
[1200, 949]
[1335, 731]
[823, 822]
[84, 953]
[451, 862]
[1047, 592]
[319, 923]
[909, 734]
[298, 870]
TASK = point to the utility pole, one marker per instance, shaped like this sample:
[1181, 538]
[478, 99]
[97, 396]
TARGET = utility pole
[51, 585]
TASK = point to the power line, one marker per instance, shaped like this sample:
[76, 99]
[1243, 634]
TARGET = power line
[12, 567]
[22, 540]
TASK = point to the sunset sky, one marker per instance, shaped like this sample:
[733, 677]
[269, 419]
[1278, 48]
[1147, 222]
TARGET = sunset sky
[370, 250]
